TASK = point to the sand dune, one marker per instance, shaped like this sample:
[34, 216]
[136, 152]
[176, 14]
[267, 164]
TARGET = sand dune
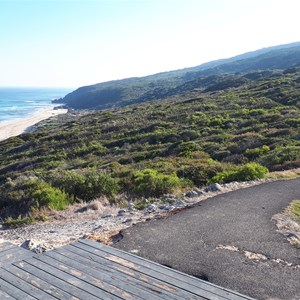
[16, 127]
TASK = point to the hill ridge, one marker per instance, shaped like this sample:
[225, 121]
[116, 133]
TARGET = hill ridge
[126, 91]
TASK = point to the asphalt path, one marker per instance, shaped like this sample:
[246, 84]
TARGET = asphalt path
[196, 241]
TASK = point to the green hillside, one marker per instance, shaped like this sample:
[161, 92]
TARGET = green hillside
[160, 86]
[221, 128]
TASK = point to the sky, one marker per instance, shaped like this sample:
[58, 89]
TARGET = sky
[71, 43]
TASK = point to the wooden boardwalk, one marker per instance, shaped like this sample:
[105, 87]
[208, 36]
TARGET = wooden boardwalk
[89, 270]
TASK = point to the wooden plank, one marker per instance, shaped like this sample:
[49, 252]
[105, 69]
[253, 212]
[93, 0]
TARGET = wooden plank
[70, 275]
[171, 276]
[38, 283]
[55, 281]
[3, 295]
[5, 246]
[147, 270]
[115, 280]
[14, 254]
[90, 270]
[137, 278]
[13, 290]
[24, 286]
[97, 279]
[166, 291]
[146, 267]
[9, 250]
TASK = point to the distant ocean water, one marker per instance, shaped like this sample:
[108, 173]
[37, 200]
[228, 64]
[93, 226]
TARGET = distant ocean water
[19, 103]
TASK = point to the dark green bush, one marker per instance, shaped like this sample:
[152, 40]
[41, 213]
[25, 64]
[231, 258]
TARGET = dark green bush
[25, 195]
[280, 155]
[200, 175]
[99, 184]
[86, 185]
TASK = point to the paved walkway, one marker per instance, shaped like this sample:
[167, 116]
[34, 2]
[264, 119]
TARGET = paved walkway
[229, 240]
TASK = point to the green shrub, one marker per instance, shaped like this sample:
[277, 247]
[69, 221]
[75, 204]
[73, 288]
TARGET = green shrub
[256, 152]
[71, 182]
[45, 195]
[200, 175]
[187, 149]
[249, 171]
[86, 186]
[29, 194]
[280, 155]
[151, 183]
[99, 184]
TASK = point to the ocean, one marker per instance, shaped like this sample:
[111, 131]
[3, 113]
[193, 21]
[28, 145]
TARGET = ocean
[20, 103]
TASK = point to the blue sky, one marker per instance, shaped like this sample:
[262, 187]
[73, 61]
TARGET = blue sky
[73, 43]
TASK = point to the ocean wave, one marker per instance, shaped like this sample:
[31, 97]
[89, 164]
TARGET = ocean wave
[19, 103]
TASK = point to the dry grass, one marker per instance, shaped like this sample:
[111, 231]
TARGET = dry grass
[288, 174]
[98, 205]
[288, 223]
[294, 209]
[105, 237]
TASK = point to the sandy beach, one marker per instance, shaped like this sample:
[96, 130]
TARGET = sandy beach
[16, 127]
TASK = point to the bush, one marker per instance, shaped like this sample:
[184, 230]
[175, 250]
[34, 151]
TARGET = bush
[280, 155]
[257, 152]
[25, 195]
[45, 195]
[200, 175]
[151, 183]
[249, 171]
[86, 186]
[99, 184]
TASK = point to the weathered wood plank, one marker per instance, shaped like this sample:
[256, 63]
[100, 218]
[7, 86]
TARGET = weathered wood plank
[72, 276]
[147, 270]
[88, 275]
[22, 288]
[114, 282]
[13, 291]
[14, 254]
[139, 280]
[56, 281]
[90, 270]
[11, 250]
[3, 295]
[38, 283]
[5, 246]
[171, 276]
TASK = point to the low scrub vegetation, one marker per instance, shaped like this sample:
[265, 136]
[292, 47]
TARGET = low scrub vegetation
[192, 138]
[246, 172]
[151, 183]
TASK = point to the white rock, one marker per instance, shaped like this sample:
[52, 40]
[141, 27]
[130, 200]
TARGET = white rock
[34, 246]
[131, 206]
[214, 187]
[151, 208]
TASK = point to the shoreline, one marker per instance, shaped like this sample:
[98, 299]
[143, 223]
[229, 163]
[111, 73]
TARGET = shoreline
[16, 127]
